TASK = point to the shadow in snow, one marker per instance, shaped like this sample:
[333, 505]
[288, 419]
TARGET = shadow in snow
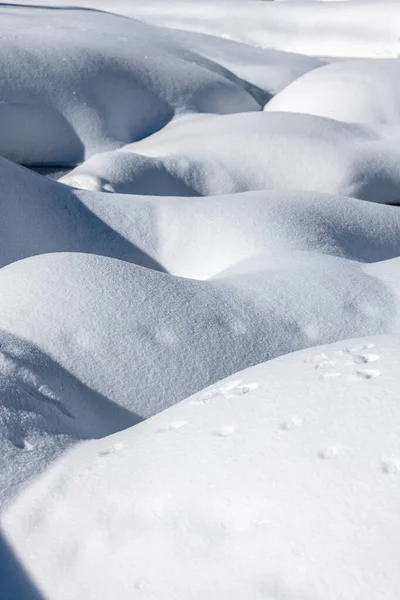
[15, 582]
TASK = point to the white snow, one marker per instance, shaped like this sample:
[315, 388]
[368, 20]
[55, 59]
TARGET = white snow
[251, 151]
[355, 28]
[97, 85]
[228, 198]
[280, 482]
[360, 91]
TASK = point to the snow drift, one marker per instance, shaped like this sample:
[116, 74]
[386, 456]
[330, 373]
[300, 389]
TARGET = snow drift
[362, 91]
[190, 237]
[280, 482]
[91, 344]
[98, 85]
[252, 151]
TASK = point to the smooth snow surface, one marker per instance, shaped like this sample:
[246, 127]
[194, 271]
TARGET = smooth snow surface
[350, 28]
[189, 189]
[280, 482]
[362, 91]
[91, 92]
[251, 151]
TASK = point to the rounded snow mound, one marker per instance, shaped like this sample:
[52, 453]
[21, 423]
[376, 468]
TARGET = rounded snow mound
[100, 81]
[189, 237]
[285, 475]
[90, 345]
[359, 91]
[252, 151]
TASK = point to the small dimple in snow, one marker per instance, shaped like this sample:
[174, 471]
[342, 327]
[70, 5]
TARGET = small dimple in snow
[140, 585]
[174, 425]
[225, 431]
[205, 397]
[228, 390]
[238, 389]
[361, 348]
[328, 453]
[29, 382]
[363, 359]
[330, 375]
[115, 448]
[367, 373]
[391, 466]
[291, 423]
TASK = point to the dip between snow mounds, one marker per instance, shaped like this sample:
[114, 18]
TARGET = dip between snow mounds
[279, 482]
[189, 237]
[234, 153]
[356, 91]
[76, 82]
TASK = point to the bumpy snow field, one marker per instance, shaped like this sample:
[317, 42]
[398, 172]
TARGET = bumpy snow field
[200, 300]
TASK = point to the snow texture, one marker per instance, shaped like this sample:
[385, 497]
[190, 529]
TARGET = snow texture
[189, 189]
[279, 482]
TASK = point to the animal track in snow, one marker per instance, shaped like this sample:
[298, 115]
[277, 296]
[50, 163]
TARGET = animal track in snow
[30, 382]
[113, 450]
[174, 425]
[367, 373]
[391, 466]
[362, 359]
[292, 423]
[228, 390]
[225, 431]
[328, 453]
[345, 358]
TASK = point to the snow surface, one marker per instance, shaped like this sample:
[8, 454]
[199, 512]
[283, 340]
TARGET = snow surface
[354, 28]
[280, 482]
[228, 196]
[359, 91]
[251, 151]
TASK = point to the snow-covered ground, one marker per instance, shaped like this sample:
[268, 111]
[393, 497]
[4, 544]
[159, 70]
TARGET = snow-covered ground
[189, 189]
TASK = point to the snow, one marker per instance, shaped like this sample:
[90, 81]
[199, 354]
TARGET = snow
[360, 91]
[107, 343]
[251, 151]
[350, 29]
[189, 189]
[90, 92]
[281, 481]
[188, 237]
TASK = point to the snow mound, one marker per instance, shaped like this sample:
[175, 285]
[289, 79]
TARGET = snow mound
[90, 344]
[250, 151]
[189, 237]
[279, 482]
[267, 69]
[365, 91]
[358, 28]
[100, 81]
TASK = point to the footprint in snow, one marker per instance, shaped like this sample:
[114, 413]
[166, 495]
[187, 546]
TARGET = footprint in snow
[228, 390]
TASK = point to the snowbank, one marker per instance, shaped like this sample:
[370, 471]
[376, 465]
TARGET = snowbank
[90, 344]
[357, 28]
[99, 81]
[250, 151]
[362, 91]
[190, 237]
[280, 482]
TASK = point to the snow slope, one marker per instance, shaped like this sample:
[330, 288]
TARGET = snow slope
[190, 237]
[357, 28]
[362, 91]
[224, 200]
[90, 91]
[280, 482]
[250, 151]
[90, 344]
